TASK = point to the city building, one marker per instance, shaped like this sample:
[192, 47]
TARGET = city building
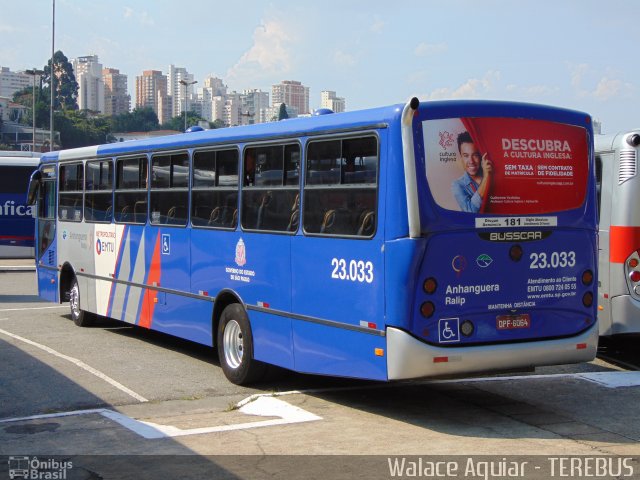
[329, 100]
[210, 99]
[254, 104]
[88, 73]
[293, 94]
[181, 95]
[151, 91]
[116, 96]
[12, 82]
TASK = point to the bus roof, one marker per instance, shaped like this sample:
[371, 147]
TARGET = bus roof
[316, 124]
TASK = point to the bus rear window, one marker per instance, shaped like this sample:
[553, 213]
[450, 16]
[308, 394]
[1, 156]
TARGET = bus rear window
[506, 165]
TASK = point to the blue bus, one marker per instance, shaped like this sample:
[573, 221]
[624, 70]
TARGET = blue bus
[16, 217]
[408, 241]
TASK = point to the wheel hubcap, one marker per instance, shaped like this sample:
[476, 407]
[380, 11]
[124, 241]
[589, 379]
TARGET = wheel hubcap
[74, 301]
[233, 344]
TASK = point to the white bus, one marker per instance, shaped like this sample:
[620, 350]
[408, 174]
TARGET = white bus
[618, 183]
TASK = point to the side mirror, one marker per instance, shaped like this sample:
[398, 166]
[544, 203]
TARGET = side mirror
[34, 187]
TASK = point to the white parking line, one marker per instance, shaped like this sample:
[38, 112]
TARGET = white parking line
[30, 308]
[78, 363]
[263, 405]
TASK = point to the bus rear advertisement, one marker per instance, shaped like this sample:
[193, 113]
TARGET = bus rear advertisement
[407, 241]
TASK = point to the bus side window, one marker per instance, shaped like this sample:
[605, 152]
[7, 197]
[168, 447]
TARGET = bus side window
[341, 187]
[169, 195]
[131, 190]
[214, 201]
[270, 197]
[70, 194]
[98, 199]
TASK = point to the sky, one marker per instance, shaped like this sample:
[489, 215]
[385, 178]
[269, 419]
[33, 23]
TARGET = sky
[579, 54]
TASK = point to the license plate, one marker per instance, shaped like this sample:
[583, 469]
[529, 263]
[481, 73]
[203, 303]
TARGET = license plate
[510, 322]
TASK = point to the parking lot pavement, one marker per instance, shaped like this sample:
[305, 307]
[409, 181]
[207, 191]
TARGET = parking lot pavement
[561, 414]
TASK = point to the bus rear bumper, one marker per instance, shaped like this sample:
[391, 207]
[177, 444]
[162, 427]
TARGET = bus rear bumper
[408, 357]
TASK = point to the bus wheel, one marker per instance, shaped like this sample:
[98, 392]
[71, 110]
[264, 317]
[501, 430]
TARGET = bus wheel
[235, 347]
[79, 316]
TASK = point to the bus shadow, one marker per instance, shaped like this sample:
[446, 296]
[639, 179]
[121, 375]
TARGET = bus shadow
[549, 403]
[11, 298]
[536, 407]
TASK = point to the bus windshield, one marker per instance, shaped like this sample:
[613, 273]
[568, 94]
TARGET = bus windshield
[505, 165]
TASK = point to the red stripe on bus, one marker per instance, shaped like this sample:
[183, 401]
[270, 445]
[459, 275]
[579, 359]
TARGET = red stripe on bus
[149, 300]
[15, 237]
[623, 241]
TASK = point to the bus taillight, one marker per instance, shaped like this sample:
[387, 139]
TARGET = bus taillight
[429, 286]
[635, 276]
[515, 253]
[633, 263]
[587, 299]
[427, 309]
[587, 277]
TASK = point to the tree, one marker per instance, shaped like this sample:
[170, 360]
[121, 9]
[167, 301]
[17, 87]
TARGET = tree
[66, 86]
[25, 97]
[177, 123]
[282, 114]
[81, 128]
[141, 119]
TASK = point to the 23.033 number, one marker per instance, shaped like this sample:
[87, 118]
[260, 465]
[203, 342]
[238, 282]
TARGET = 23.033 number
[354, 270]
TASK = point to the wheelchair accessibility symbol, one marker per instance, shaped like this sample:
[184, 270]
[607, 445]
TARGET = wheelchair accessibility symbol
[166, 244]
[449, 330]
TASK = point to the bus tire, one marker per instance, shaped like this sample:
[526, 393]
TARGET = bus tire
[235, 347]
[80, 317]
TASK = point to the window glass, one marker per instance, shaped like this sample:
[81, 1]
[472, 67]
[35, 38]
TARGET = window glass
[340, 194]
[169, 195]
[130, 199]
[15, 179]
[214, 201]
[99, 175]
[270, 199]
[70, 196]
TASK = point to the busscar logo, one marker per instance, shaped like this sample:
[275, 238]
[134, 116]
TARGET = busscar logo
[514, 236]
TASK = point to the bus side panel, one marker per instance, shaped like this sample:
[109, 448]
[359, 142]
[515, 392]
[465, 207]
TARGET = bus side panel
[183, 317]
[342, 281]
[327, 350]
[125, 300]
[272, 339]
[256, 268]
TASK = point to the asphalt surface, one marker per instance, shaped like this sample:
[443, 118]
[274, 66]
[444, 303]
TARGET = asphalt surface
[103, 396]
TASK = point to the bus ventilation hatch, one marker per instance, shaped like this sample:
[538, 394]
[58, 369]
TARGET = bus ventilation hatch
[628, 165]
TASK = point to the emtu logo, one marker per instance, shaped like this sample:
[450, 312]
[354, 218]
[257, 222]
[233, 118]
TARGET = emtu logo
[11, 209]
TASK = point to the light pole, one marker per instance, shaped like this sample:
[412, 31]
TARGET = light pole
[52, 75]
[34, 72]
[186, 105]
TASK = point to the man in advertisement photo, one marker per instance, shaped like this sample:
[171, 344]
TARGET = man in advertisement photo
[472, 187]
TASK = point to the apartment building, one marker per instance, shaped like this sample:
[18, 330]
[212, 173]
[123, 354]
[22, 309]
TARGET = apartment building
[151, 91]
[293, 94]
[88, 73]
[116, 96]
[328, 99]
[12, 82]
